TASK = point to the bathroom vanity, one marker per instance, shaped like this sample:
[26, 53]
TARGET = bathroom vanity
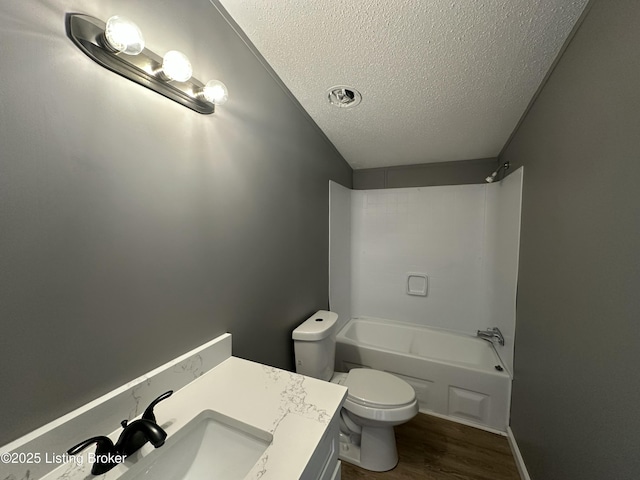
[239, 420]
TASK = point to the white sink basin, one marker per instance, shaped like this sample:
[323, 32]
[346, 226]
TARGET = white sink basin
[211, 446]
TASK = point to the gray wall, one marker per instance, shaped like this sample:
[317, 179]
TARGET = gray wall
[133, 229]
[425, 175]
[576, 395]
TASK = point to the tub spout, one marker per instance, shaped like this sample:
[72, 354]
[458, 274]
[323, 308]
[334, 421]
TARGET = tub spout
[491, 334]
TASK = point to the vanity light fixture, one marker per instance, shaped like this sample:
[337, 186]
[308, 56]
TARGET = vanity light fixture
[119, 46]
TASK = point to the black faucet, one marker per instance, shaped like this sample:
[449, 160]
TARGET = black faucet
[134, 435]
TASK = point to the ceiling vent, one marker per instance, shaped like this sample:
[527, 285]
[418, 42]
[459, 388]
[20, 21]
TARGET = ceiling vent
[344, 97]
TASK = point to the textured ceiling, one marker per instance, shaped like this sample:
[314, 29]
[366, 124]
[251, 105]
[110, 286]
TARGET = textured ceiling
[440, 80]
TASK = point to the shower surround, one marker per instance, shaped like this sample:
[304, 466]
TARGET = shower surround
[463, 238]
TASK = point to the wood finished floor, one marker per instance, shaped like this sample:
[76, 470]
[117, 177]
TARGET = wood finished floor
[431, 448]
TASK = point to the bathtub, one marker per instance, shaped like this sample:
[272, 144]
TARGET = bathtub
[454, 375]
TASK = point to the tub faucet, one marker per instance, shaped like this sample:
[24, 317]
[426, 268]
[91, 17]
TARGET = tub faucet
[491, 334]
[133, 436]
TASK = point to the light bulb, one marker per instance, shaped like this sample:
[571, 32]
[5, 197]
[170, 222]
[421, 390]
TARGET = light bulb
[215, 92]
[176, 66]
[123, 36]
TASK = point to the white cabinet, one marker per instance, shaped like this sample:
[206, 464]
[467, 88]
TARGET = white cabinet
[324, 464]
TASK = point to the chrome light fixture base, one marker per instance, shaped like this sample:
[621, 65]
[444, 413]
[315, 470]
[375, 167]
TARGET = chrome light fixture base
[88, 34]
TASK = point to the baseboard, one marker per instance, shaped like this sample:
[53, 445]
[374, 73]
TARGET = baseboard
[522, 468]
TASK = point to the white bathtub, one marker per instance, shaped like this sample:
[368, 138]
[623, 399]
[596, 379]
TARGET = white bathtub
[453, 375]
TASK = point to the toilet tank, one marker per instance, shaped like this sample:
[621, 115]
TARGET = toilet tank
[314, 343]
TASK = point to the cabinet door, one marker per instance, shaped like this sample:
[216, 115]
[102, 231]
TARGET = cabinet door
[324, 465]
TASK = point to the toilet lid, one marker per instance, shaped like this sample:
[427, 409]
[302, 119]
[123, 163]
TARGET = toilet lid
[374, 388]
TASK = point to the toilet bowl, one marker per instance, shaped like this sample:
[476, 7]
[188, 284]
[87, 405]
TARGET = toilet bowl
[376, 401]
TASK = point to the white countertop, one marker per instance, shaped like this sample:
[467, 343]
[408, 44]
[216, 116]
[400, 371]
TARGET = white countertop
[295, 409]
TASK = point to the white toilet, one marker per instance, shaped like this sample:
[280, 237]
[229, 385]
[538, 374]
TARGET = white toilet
[376, 401]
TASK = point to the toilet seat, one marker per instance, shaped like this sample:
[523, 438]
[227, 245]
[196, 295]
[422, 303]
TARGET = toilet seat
[378, 396]
[373, 388]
